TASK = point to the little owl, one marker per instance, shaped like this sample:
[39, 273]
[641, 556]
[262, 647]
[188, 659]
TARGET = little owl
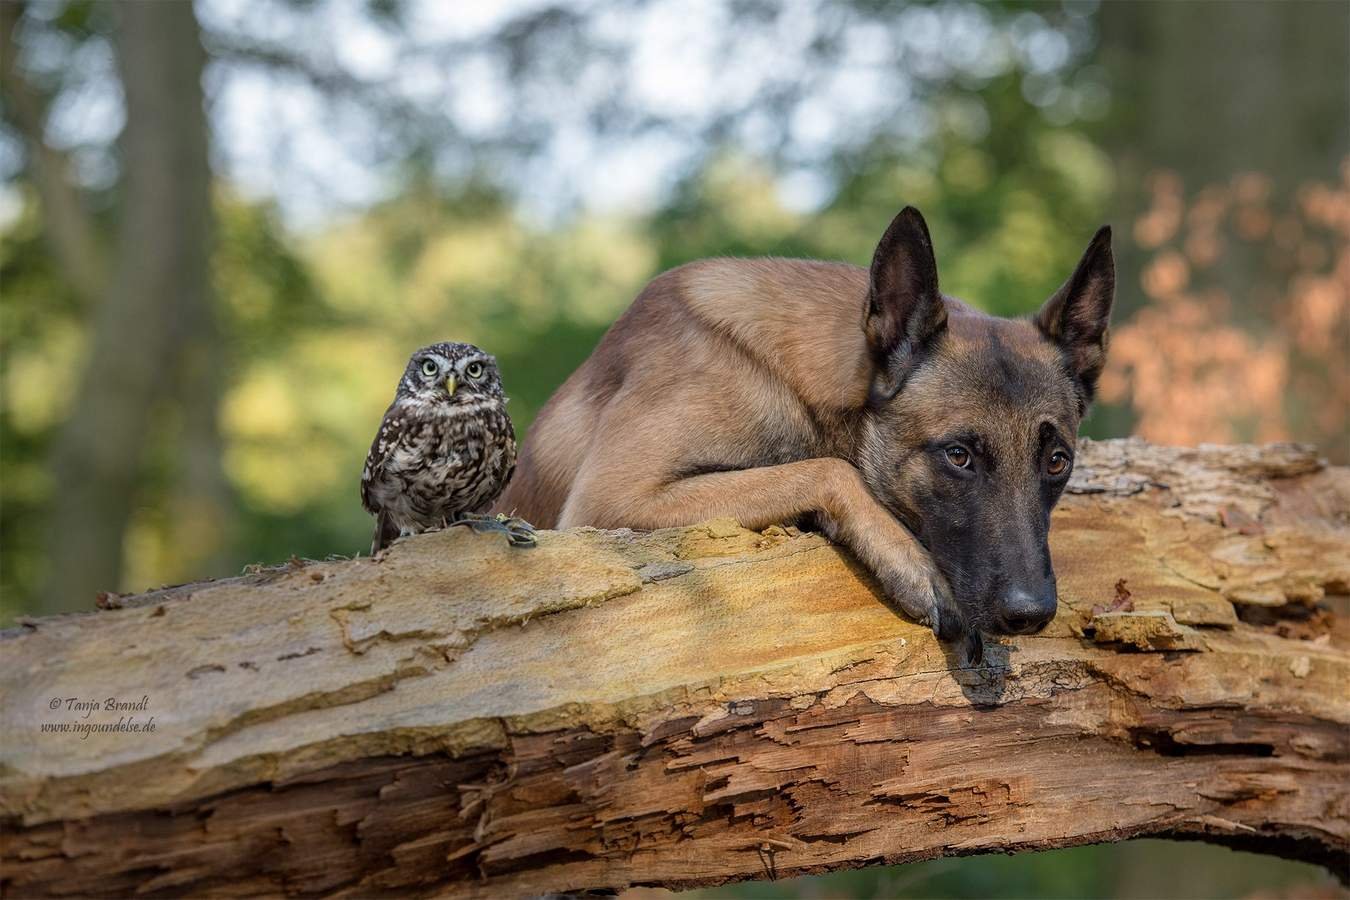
[445, 450]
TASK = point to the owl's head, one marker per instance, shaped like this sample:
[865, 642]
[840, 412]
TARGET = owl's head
[451, 374]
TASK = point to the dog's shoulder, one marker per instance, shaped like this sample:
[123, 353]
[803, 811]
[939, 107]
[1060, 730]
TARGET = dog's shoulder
[801, 319]
[726, 289]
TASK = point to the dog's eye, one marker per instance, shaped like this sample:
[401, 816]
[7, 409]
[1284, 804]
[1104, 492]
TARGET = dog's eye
[474, 370]
[429, 368]
[958, 456]
[1059, 463]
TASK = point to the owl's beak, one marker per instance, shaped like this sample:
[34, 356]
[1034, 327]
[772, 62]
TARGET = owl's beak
[450, 384]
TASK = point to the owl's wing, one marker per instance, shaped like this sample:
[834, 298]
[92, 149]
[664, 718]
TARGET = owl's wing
[511, 449]
[387, 438]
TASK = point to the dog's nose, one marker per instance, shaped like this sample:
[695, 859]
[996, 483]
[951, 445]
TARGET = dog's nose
[1023, 612]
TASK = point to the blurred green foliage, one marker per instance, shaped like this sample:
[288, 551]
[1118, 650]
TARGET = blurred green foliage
[40, 340]
[1137, 870]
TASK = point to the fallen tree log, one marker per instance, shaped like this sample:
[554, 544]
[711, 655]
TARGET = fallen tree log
[694, 705]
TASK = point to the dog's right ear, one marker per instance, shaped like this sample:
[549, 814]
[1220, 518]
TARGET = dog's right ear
[1078, 316]
[904, 307]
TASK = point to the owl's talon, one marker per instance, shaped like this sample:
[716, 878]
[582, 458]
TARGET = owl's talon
[479, 523]
[469, 518]
[519, 533]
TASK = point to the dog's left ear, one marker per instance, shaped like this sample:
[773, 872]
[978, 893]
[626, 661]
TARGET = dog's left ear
[905, 310]
[1078, 316]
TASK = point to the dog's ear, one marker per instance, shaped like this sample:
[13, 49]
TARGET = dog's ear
[1078, 316]
[904, 307]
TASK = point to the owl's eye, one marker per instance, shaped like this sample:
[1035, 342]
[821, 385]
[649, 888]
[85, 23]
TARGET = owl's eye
[429, 368]
[474, 370]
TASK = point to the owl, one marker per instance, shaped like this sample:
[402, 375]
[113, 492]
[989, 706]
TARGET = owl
[445, 449]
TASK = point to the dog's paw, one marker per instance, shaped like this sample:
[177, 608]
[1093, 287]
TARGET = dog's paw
[951, 627]
[919, 589]
[924, 595]
[974, 647]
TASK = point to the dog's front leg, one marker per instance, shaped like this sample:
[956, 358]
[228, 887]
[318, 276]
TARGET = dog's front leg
[760, 497]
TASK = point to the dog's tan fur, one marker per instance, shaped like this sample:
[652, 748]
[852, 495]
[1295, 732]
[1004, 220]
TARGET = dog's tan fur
[740, 387]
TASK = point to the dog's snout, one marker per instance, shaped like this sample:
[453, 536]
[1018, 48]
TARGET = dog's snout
[1025, 612]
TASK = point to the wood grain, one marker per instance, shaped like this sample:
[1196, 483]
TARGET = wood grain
[697, 705]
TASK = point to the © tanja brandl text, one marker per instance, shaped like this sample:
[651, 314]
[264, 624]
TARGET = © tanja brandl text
[80, 716]
[110, 704]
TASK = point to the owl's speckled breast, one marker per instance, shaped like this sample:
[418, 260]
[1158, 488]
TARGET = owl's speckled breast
[441, 462]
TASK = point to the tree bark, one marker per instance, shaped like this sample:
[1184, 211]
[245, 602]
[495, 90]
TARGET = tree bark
[159, 291]
[696, 705]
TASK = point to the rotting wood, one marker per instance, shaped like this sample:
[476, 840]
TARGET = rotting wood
[698, 705]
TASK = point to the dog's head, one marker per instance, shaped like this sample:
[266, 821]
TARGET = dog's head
[972, 423]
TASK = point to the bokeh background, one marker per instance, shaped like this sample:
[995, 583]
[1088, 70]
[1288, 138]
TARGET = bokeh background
[224, 225]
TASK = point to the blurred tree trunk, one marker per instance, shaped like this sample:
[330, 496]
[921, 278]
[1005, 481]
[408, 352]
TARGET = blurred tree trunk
[201, 509]
[158, 297]
[68, 226]
[1208, 93]
[1209, 90]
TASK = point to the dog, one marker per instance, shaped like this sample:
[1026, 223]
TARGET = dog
[930, 439]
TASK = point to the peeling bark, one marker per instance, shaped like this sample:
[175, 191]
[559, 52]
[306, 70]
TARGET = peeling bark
[698, 705]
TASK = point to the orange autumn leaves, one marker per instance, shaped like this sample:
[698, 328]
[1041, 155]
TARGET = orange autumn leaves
[1247, 323]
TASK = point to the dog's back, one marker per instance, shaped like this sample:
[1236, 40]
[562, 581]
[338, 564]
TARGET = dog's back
[781, 325]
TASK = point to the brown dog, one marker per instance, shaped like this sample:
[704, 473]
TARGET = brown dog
[930, 439]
